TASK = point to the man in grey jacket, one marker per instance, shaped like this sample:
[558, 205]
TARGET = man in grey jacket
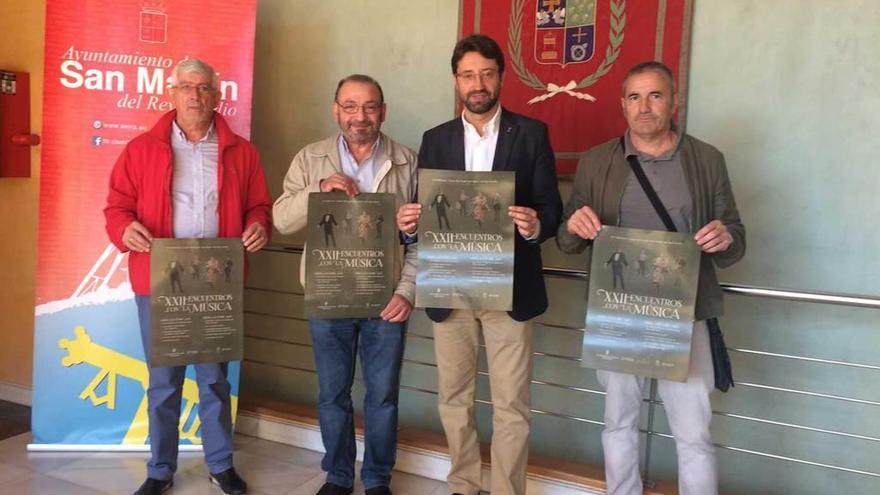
[690, 178]
[358, 159]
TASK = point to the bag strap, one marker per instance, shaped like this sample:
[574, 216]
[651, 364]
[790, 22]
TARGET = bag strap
[649, 189]
[722, 371]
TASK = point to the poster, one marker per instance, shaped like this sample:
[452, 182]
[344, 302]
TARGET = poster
[196, 301]
[566, 60]
[640, 304]
[350, 249]
[105, 77]
[466, 243]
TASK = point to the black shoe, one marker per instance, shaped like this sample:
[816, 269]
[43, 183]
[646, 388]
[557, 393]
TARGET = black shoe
[230, 482]
[378, 490]
[332, 489]
[152, 486]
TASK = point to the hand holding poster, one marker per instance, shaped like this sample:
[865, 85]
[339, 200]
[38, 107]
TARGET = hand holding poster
[196, 301]
[350, 251]
[466, 243]
[640, 307]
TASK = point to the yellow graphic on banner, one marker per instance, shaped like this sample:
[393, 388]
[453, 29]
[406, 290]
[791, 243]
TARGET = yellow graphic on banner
[111, 363]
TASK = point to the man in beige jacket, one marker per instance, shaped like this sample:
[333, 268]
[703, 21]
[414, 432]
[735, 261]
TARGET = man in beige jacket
[358, 159]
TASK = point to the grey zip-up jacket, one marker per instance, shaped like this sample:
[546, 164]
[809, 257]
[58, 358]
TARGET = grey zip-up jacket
[319, 160]
[599, 183]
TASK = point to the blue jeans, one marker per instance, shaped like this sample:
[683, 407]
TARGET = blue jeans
[163, 404]
[335, 343]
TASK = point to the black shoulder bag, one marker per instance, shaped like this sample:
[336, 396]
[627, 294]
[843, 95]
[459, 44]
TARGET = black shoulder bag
[720, 358]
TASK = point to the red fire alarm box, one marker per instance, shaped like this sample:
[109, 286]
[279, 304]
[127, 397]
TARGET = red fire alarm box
[15, 125]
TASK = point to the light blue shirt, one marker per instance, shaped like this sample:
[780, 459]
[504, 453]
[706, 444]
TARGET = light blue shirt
[364, 174]
[194, 186]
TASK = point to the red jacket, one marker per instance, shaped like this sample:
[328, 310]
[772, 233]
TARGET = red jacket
[140, 189]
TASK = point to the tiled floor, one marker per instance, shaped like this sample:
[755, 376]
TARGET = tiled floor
[269, 468]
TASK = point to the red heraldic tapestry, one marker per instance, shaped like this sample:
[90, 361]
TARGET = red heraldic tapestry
[566, 60]
[107, 68]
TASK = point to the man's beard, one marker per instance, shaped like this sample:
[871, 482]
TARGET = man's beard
[361, 135]
[482, 107]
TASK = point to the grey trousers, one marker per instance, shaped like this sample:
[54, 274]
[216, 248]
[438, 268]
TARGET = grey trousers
[688, 411]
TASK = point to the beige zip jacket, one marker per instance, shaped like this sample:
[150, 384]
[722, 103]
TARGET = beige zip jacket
[396, 174]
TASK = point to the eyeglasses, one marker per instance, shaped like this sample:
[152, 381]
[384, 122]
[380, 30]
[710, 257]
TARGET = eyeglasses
[200, 88]
[483, 75]
[351, 108]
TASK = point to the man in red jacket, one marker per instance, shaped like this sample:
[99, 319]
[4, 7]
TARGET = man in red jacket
[190, 176]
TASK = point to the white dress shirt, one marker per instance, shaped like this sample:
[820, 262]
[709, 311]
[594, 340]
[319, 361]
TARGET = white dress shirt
[479, 151]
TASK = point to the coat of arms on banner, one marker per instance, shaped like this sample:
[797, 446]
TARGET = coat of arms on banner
[153, 23]
[566, 60]
[566, 31]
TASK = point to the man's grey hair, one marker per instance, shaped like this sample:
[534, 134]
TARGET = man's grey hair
[194, 65]
[651, 66]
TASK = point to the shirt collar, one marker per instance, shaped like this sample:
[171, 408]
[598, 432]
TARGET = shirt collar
[343, 145]
[180, 137]
[489, 129]
[630, 150]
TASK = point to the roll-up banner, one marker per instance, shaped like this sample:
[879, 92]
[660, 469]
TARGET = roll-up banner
[107, 67]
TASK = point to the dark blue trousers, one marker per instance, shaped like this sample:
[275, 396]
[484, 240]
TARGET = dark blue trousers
[164, 401]
[336, 343]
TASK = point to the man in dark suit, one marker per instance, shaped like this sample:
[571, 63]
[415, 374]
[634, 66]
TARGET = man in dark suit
[489, 138]
[617, 262]
[328, 221]
[441, 203]
[175, 271]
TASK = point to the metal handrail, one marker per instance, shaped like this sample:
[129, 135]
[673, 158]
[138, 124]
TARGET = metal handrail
[816, 297]
[649, 432]
[577, 359]
[835, 298]
[804, 358]
[654, 433]
[649, 401]
[820, 297]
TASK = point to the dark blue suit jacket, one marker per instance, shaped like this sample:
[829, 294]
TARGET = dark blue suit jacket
[524, 147]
